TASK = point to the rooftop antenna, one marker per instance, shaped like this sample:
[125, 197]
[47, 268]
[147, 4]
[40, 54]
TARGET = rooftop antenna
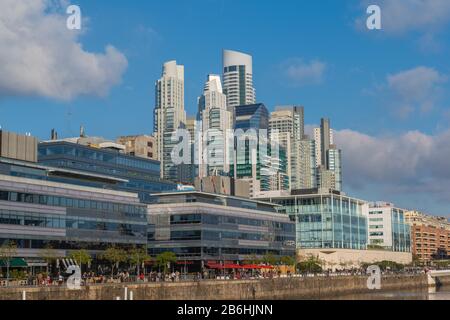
[69, 119]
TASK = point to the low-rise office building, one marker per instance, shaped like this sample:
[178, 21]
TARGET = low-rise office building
[387, 227]
[138, 174]
[333, 227]
[205, 229]
[64, 210]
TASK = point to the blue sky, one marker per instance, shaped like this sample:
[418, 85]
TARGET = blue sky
[385, 89]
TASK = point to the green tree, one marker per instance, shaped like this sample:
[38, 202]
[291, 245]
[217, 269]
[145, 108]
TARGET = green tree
[386, 265]
[270, 259]
[115, 256]
[7, 252]
[164, 259]
[49, 255]
[138, 256]
[252, 259]
[287, 260]
[311, 264]
[82, 257]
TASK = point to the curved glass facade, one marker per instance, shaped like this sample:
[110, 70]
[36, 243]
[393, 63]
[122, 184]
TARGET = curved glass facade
[143, 175]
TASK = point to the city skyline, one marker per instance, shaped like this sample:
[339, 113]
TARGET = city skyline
[391, 153]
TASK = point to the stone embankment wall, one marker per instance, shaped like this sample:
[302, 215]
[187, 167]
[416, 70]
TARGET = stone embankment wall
[278, 288]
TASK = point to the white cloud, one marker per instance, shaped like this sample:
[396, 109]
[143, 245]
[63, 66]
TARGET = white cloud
[413, 164]
[408, 91]
[402, 16]
[39, 56]
[303, 73]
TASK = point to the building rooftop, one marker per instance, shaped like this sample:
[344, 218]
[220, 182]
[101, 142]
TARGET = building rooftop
[52, 171]
[213, 198]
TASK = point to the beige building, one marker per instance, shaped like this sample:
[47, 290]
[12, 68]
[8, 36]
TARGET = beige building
[223, 185]
[430, 236]
[347, 258]
[143, 146]
[19, 147]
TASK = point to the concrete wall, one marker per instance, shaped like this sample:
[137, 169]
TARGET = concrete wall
[20, 147]
[271, 289]
[347, 258]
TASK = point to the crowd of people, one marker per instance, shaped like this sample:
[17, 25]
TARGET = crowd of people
[92, 278]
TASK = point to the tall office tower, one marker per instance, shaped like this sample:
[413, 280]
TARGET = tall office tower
[238, 79]
[329, 166]
[216, 120]
[334, 162]
[305, 168]
[324, 140]
[169, 115]
[263, 164]
[318, 142]
[188, 171]
[253, 116]
[287, 123]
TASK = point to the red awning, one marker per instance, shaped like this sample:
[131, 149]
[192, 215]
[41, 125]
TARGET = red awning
[237, 266]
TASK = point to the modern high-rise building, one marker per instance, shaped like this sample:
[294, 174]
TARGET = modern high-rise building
[286, 125]
[247, 160]
[324, 140]
[260, 161]
[318, 143]
[238, 79]
[186, 172]
[169, 115]
[328, 158]
[334, 162]
[253, 116]
[304, 170]
[216, 120]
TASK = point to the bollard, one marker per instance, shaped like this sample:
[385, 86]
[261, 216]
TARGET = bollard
[24, 295]
[117, 298]
[125, 294]
[131, 295]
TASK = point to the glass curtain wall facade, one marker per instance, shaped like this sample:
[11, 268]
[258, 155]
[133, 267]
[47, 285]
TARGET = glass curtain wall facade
[205, 228]
[141, 175]
[401, 232]
[326, 220]
[37, 213]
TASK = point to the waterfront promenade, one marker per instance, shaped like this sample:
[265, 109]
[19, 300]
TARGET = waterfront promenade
[295, 287]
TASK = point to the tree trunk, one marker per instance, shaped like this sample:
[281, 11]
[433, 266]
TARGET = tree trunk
[7, 273]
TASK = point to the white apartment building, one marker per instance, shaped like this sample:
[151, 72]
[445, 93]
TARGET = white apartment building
[169, 114]
[238, 79]
[215, 120]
